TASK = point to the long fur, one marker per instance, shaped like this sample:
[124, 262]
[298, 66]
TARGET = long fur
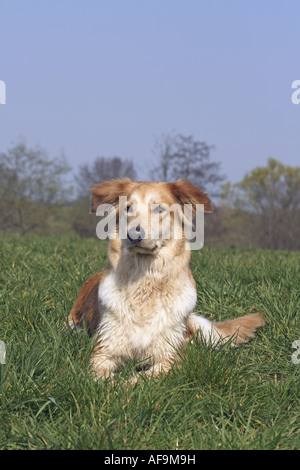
[142, 305]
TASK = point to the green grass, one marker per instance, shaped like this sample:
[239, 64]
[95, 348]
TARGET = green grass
[245, 398]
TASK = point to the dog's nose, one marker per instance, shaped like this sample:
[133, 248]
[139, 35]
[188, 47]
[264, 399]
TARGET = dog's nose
[136, 234]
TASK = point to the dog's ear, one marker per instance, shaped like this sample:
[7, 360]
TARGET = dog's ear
[187, 193]
[108, 192]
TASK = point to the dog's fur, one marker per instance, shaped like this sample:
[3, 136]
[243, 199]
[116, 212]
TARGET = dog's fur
[141, 305]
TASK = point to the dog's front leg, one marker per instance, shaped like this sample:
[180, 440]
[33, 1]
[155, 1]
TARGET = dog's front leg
[154, 371]
[102, 364]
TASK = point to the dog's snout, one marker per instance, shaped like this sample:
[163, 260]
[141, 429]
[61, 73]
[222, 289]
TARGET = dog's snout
[136, 234]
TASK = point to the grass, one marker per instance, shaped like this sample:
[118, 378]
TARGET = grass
[246, 398]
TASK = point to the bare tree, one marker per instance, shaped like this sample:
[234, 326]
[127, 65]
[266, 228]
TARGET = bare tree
[163, 150]
[103, 168]
[181, 156]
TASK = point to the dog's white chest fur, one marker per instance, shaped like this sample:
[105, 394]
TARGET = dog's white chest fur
[141, 319]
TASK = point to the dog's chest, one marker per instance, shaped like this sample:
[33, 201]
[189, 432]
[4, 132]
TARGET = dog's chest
[139, 315]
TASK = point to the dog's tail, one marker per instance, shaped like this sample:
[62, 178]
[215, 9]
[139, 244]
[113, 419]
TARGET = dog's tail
[239, 330]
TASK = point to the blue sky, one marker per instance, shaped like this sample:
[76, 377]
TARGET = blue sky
[108, 77]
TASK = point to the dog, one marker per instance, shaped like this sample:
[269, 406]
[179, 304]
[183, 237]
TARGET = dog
[141, 306]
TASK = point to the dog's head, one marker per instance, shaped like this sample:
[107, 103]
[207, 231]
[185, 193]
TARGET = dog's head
[149, 215]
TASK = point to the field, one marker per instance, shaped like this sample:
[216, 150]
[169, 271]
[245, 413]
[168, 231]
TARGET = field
[245, 398]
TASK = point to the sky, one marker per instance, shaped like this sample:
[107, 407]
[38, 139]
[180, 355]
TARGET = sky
[91, 78]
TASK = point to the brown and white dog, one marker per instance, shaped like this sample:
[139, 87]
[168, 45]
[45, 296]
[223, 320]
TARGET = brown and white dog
[142, 305]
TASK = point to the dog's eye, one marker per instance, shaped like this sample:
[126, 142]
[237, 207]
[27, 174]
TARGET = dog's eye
[159, 209]
[129, 208]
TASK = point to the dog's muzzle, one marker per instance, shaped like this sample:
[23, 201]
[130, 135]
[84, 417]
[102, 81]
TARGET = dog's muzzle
[136, 234]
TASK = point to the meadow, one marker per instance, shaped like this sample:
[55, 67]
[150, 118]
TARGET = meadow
[227, 398]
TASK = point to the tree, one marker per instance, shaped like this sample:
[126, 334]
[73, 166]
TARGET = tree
[274, 187]
[103, 168]
[181, 156]
[270, 197]
[30, 183]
